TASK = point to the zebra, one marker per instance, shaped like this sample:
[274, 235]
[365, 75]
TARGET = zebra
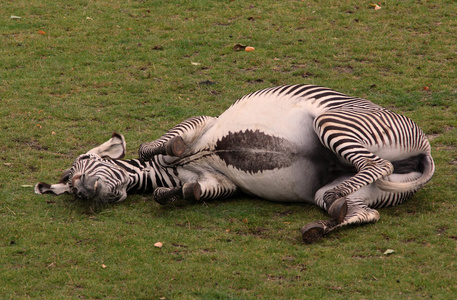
[291, 143]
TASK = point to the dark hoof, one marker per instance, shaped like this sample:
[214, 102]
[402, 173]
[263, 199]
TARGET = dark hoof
[338, 209]
[192, 191]
[312, 232]
[175, 146]
[164, 196]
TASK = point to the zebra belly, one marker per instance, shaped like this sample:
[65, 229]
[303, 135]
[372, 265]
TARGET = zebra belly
[288, 119]
[268, 148]
[297, 182]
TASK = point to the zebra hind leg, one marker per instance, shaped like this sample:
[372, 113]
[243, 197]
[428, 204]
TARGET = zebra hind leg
[347, 134]
[357, 213]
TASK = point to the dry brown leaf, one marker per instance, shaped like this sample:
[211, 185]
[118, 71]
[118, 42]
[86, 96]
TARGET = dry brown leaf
[239, 47]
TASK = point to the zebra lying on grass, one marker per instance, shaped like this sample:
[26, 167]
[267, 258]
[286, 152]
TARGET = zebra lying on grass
[294, 143]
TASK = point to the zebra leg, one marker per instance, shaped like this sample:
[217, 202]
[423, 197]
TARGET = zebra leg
[359, 205]
[210, 187]
[348, 139]
[189, 191]
[357, 213]
[177, 140]
[175, 146]
[216, 186]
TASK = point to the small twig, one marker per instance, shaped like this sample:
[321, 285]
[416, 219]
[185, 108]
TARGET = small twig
[188, 222]
[11, 210]
[291, 238]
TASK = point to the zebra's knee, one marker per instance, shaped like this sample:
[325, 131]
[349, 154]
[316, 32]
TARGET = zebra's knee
[377, 167]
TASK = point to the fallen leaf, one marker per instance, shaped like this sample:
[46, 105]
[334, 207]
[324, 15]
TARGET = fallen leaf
[389, 251]
[103, 266]
[375, 6]
[53, 133]
[7, 164]
[39, 126]
[89, 18]
[426, 88]
[158, 245]
[239, 47]
[41, 32]
[195, 63]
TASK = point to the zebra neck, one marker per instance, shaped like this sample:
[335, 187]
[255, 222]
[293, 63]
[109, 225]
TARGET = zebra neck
[146, 176]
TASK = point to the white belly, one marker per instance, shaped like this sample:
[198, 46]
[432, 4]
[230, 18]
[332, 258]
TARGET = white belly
[288, 118]
[296, 183]
[267, 147]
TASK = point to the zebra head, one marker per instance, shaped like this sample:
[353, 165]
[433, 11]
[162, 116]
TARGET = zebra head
[94, 175]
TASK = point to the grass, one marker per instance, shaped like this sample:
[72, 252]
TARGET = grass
[74, 71]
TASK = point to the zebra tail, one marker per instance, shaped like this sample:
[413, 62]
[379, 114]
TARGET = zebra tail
[427, 166]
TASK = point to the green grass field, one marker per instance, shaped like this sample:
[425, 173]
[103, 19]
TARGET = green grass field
[72, 72]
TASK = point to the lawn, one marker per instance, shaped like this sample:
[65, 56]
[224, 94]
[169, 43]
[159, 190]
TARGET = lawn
[72, 72]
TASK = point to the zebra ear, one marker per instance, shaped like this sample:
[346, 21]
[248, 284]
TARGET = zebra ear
[114, 148]
[56, 189]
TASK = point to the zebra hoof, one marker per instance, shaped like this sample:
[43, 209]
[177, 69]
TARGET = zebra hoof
[175, 146]
[191, 191]
[312, 232]
[164, 196]
[338, 209]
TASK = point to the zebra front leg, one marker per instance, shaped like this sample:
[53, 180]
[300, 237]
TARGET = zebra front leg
[173, 147]
[178, 140]
[189, 191]
[210, 187]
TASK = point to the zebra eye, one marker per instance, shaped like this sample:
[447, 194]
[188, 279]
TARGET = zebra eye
[84, 156]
